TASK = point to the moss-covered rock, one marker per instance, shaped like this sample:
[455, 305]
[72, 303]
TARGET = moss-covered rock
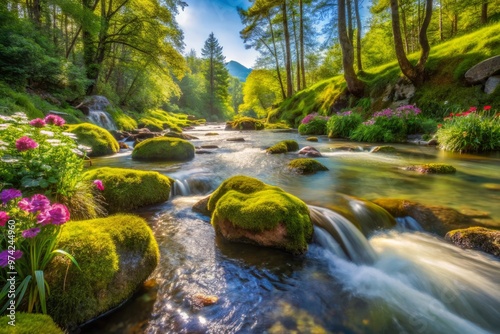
[115, 254]
[306, 166]
[29, 323]
[247, 210]
[129, 189]
[480, 238]
[383, 149]
[100, 140]
[245, 123]
[432, 169]
[163, 149]
[313, 139]
[432, 218]
[283, 147]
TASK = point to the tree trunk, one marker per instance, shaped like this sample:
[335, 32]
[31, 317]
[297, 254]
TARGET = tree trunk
[484, 12]
[297, 51]
[288, 56]
[302, 50]
[358, 35]
[405, 30]
[350, 30]
[354, 85]
[414, 73]
[441, 38]
[278, 70]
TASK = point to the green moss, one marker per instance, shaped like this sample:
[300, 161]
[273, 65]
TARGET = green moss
[283, 147]
[163, 149]
[12, 101]
[317, 126]
[306, 166]
[276, 126]
[99, 139]
[29, 323]
[433, 169]
[254, 206]
[115, 254]
[122, 120]
[314, 139]
[159, 120]
[245, 123]
[127, 189]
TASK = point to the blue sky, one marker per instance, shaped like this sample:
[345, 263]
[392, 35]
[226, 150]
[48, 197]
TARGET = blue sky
[202, 17]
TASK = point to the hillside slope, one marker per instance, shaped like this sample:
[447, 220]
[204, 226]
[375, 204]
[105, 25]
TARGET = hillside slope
[445, 89]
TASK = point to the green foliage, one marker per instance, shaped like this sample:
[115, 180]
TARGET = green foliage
[276, 126]
[317, 126]
[260, 93]
[254, 206]
[12, 101]
[283, 147]
[98, 139]
[341, 125]
[126, 189]
[306, 166]
[52, 167]
[163, 149]
[116, 254]
[371, 133]
[29, 323]
[470, 132]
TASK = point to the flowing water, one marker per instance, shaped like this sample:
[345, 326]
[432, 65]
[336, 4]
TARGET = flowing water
[98, 114]
[399, 280]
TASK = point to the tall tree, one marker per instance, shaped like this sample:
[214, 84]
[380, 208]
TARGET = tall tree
[354, 85]
[415, 73]
[288, 52]
[217, 77]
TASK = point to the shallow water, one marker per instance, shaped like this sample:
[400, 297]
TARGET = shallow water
[414, 282]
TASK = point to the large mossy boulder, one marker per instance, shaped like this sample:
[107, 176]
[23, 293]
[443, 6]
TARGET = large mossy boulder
[100, 140]
[479, 238]
[245, 123]
[432, 218]
[283, 147]
[29, 323]
[306, 166]
[164, 149]
[128, 189]
[248, 210]
[115, 254]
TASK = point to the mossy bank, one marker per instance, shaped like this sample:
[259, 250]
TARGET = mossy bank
[98, 139]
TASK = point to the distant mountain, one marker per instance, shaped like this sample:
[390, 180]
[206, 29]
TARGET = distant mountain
[237, 70]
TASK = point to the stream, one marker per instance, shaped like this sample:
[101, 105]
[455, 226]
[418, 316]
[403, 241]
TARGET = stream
[401, 280]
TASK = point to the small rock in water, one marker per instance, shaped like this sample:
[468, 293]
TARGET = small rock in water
[492, 186]
[238, 139]
[202, 300]
[315, 139]
[383, 149]
[203, 152]
[480, 238]
[310, 151]
[211, 134]
[432, 169]
[123, 146]
[209, 146]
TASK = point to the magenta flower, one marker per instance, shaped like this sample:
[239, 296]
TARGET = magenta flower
[4, 218]
[99, 185]
[58, 214]
[39, 203]
[30, 233]
[4, 257]
[25, 204]
[54, 119]
[25, 143]
[9, 194]
[37, 123]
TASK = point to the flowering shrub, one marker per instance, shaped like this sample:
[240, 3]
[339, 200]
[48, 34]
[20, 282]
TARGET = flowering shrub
[38, 156]
[470, 131]
[342, 124]
[395, 125]
[313, 124]
[29, 229]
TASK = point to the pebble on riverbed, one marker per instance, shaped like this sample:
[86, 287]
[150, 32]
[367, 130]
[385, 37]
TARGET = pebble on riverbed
[201, 300]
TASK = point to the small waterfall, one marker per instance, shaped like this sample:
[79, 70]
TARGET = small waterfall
[340, 236]
[103, 119]
[97, 112]
[197, 184]
[408, 224]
